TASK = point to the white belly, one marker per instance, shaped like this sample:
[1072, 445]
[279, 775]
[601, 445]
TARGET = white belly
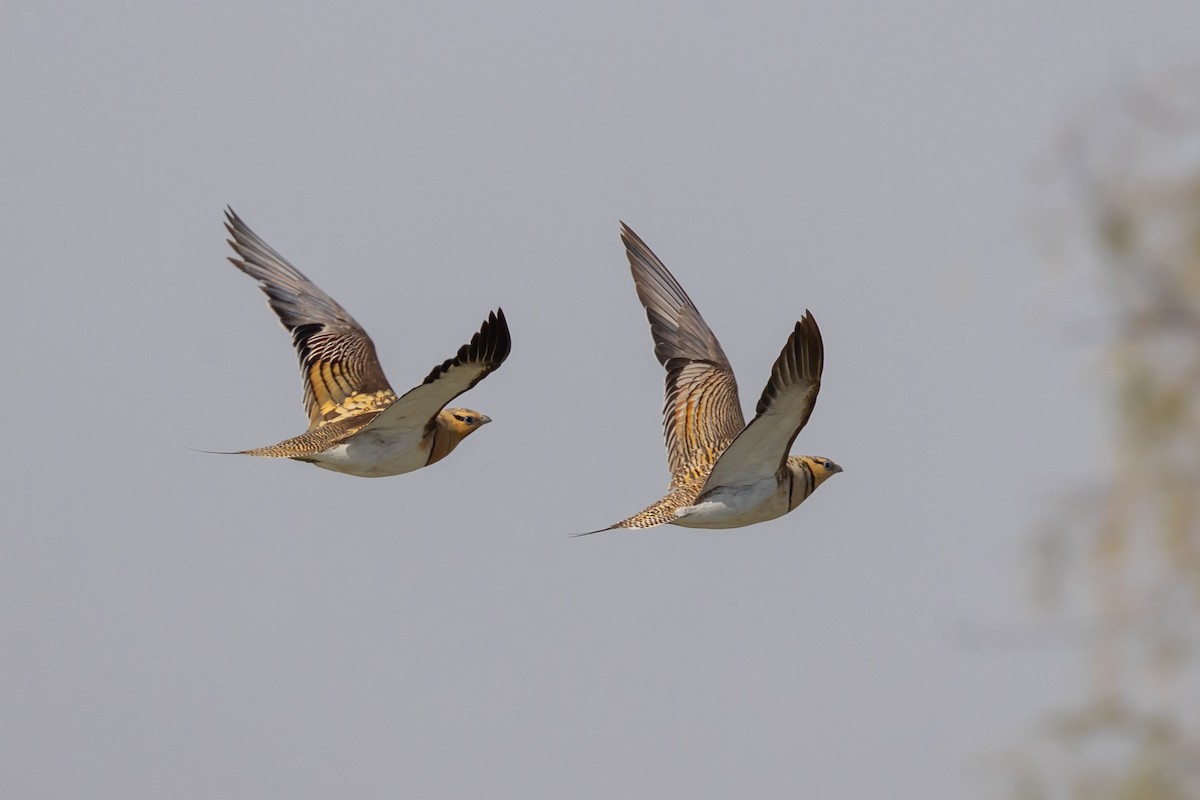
[371, 455]
[735, 506]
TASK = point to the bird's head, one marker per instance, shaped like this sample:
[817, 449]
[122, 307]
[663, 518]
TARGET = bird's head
[462, 422]
[452, 426]
[822, 468]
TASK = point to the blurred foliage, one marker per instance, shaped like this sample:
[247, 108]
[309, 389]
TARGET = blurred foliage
[1127, 552]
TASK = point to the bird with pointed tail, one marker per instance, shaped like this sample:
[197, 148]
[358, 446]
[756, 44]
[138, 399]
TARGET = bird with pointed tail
[357, 424]
[724, 473]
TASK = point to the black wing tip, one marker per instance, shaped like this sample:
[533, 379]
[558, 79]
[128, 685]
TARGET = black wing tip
[803, 355]
[491, 345]
[806, 334]
[493, 339]
[808, 328]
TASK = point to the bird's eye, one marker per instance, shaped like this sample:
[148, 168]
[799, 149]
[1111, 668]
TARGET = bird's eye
[466, 419]
[828, 465]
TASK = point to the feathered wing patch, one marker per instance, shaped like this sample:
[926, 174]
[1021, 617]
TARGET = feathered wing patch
[341, 372]
[417, 407]
[701, 417]
[702, 413]
[787, 402]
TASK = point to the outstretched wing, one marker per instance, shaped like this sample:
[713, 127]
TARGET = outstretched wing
[416, 409]
[784, 408]
[341, 372]
[702, 414]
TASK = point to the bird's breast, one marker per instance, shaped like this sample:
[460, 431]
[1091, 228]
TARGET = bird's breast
[371, 454]
[735, 506]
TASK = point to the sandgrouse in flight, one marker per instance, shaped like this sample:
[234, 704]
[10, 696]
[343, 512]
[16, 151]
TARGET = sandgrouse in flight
[724, 473]
[357, 424]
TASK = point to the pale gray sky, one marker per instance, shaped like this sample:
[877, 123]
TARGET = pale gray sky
[183, 625]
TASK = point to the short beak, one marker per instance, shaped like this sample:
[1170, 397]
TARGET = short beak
[484, 419]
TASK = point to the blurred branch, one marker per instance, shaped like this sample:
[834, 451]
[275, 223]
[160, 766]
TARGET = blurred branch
[1131, 171]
